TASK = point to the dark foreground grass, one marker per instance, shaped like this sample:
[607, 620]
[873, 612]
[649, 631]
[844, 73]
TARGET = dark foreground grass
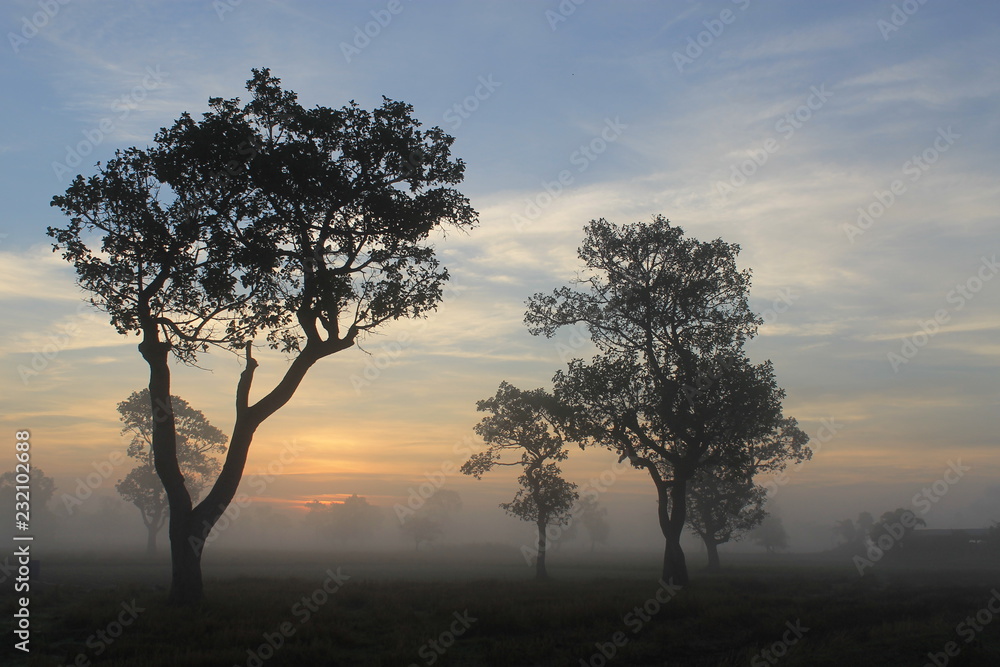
[894, 618]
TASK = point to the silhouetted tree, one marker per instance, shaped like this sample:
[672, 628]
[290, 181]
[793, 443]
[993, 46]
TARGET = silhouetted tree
[724, 501]
[308, 227]
[526, 423]
[671, 389]
[723, 507]
[197, 440]
[427, 524]
[771, 534]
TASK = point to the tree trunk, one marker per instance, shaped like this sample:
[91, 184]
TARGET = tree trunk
[671, 513]
[185, 557]
[151, 540]
[540, 572]
[713, 554]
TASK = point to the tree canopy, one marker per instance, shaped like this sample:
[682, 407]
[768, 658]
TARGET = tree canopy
[305, 228]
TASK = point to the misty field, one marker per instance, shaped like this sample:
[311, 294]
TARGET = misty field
[479, 606]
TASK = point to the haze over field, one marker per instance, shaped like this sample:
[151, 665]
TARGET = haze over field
[849, 148]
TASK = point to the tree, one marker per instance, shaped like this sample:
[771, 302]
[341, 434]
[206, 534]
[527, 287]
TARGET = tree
[40, 491]
[771, 534]
[724, 501]
[352, 519]
[427, 523]
[853, 534]
[526, 423]
[307, 227]
[671, 389]
[889, 533]
[594, 519]
[197, 440]
[722, 507]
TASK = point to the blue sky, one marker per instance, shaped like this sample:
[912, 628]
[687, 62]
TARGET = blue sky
[769, 124]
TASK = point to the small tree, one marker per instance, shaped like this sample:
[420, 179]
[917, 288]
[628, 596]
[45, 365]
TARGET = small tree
[594, 519]
[723, 507]
[197, 440]
[724, 501]
[426, 524]
[526, 423]
[306, 228]
[771, 534]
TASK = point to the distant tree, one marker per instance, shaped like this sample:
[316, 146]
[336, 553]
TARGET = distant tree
[306, 228]
[427, 524]
[671, 389]
[594, 519]
[526, 423]
[350, 520]
[724, 501]
[854, 533]
[893, 528]
[771, 534]
[197, 441]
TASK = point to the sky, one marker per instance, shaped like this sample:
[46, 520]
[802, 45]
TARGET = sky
[849, 148]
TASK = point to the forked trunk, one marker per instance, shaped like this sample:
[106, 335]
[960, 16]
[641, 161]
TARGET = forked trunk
[671, 515]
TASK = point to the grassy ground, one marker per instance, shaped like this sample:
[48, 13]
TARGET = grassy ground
[826, 614]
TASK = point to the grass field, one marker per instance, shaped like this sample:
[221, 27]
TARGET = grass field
[480, 607]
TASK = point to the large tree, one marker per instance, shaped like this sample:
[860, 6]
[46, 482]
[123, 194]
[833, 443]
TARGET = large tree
[526, 425]
[725, 501]
[197, 441]
[306, 228]
[671, 388]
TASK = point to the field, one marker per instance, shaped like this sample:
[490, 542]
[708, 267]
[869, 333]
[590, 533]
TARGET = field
[478, 606]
